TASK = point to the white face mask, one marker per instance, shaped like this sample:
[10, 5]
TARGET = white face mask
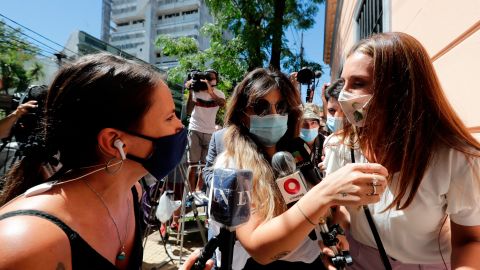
[353, 106]
[334, 123]
[269, 129]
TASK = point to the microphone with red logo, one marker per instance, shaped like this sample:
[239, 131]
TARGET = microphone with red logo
[292, 185]
[290, 181]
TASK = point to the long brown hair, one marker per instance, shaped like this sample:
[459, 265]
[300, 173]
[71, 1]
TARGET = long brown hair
[409, 116]
[95, 92]
[241, 147]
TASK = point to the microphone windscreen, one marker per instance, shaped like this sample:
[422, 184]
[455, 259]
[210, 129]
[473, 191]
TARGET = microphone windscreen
[283, 163]
[231, 197]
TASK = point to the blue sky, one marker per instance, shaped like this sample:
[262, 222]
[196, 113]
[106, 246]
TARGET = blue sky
[57, 19]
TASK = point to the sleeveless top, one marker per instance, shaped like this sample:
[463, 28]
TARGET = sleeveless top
[83, 255]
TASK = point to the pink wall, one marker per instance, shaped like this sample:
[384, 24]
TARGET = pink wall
[450, 31]
[436, 23]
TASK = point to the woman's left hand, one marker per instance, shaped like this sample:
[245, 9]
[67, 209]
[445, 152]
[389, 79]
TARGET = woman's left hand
[209, 87]
[187, 265]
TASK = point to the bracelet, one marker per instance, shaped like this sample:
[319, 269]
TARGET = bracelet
[306, 217]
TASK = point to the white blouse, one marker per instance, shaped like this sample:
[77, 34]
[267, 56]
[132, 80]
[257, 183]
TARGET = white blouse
[450, 186]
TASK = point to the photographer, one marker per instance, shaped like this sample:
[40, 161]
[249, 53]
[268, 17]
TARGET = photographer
[205, 100]
[7, 123]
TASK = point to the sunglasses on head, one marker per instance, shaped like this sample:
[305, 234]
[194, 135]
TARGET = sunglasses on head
[262, 107]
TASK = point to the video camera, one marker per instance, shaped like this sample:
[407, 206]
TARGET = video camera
[28, 129]
[305, 76]
[196, 76]
[29, 125]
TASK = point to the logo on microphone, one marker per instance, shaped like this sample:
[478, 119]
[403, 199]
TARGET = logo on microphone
[291, 186]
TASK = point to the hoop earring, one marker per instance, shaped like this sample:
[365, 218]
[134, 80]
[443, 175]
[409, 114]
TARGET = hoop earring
[108, 165]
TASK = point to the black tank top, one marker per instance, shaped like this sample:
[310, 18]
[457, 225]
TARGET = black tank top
[83, 255]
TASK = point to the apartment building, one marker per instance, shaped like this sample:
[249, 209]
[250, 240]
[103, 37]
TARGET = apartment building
[449, 30]
[134, 25]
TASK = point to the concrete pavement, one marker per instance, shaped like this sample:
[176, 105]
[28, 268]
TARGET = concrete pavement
[155, 256]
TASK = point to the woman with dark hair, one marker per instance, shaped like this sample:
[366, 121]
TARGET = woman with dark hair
[262, 117]
[333, 110]
[429, 216]
[109, 122]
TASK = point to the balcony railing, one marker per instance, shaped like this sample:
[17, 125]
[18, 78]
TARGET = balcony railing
[173, 4]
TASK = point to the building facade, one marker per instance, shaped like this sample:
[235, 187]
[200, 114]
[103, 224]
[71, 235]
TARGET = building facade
[81, 43]
[135, 24]
[450, 31]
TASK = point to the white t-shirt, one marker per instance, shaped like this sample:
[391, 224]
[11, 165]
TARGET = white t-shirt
[450, 186]
[307, 251]
[205, 111]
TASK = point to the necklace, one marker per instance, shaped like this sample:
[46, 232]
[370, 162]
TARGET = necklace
[121, 255]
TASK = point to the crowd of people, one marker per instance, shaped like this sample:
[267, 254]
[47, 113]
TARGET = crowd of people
[387, 158]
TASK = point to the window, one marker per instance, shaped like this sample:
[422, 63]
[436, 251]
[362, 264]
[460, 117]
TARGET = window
[123, 10]
[123, 24]
[127, 36]
[172, 15]
[370, 17]
[190, 12]
[130, 45]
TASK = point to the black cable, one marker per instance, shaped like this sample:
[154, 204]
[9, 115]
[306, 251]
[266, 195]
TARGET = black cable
[438, 239]
[14, 46]
[18, 30]
[11, 38]
[378, 241]
[1, 15]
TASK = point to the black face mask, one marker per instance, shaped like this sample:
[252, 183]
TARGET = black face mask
[166, 154]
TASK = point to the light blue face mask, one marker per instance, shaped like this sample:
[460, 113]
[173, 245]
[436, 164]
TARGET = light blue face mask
[268, 129]
[334, 123]
[308, 135]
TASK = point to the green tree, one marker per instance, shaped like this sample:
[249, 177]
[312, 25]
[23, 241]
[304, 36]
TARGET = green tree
[260, 25]
[224, 55]
[15, 52]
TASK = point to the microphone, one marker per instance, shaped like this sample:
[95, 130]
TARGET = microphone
[230, 202]
[292, 186]
[302, 159]
[290, 182]
[229, 207]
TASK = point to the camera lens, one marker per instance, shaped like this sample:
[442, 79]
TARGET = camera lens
[305, 76]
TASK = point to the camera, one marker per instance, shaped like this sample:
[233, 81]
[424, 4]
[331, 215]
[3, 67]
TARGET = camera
[28, 126]
[196, 76]
[305, 76]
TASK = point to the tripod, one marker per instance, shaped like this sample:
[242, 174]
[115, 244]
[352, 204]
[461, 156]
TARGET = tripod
[173, 248]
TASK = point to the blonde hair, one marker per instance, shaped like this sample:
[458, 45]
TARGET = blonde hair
[266, 197]
[241, 148]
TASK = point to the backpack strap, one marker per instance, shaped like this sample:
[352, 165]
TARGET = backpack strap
[373, 228]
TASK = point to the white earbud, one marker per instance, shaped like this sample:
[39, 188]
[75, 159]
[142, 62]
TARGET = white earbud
[119, 145]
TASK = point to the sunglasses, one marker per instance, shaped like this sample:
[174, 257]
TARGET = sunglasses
[262, 107]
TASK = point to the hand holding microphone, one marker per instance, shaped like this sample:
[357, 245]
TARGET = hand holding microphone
[293, 187]
[229, 207]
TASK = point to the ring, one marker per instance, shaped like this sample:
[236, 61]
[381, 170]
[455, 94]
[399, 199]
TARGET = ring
[374, 181]
[374, 192]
